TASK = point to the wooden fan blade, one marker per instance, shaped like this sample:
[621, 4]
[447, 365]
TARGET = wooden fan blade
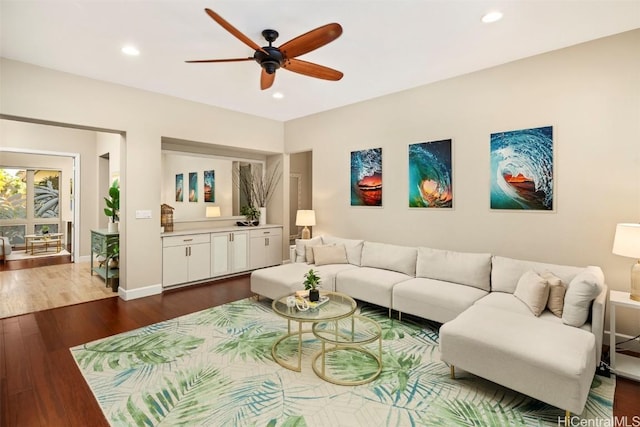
[312, 70]
[220, 60]
[266, 80]
[311, 40]
[233, 30]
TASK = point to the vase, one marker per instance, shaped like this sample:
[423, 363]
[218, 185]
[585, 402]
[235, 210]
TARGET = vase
[314, 295]
[112, 227]
[263, 216]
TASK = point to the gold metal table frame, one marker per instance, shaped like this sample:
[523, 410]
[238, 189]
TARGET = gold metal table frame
[352, 341]
[340, 306]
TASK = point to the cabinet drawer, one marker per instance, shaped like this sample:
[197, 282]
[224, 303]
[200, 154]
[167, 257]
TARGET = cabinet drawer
[189, 239]
[266, 232]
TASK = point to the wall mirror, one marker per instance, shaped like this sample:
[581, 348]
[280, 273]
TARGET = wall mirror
[196, 176]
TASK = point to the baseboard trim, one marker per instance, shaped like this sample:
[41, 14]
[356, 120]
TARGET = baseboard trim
[147, 291]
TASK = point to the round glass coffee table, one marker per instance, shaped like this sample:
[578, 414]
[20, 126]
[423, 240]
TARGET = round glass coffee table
[349, 335]
[338, 306]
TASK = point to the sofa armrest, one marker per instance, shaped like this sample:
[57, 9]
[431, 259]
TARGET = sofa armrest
[597, 320]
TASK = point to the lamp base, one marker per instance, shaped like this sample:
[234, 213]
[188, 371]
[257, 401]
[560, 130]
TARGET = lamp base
[306, 233]
[635, 282]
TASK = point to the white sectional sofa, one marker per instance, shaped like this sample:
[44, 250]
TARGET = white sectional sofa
[495, 311]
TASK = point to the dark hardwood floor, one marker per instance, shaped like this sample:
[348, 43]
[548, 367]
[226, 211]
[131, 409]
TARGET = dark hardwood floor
[40, 384]
[35, 262]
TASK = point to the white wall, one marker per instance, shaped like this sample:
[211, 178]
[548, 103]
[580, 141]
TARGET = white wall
[589, 93]
[144, 117]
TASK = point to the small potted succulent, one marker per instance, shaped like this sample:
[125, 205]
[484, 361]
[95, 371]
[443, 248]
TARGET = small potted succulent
[311, 283]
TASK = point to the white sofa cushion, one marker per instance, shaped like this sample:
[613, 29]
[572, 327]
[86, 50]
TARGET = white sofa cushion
[330, 254]
[369, 284]
[353, 247]
[533, 290]
[505, 272]
[434, 299]
[301, 247]
[581, 292]
[274, 282]
[390, 257]
[472, 269]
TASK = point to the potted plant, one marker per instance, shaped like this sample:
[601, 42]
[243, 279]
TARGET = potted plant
[44, 229]
[113, 206]
[311, 283]
[251, 214]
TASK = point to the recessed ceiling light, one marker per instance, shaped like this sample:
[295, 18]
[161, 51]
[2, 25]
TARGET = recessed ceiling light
[130, 50]
[492, 17]
[278, 95]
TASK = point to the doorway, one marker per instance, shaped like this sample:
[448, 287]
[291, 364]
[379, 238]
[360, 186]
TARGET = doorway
[300, 189]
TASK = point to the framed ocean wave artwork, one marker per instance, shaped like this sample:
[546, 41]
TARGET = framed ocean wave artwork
[366, 177]
[193, 186]
[522, 169]
[209, 186]
[430, 175]
[179, 187]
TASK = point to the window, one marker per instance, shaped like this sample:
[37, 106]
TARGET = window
[29, 201]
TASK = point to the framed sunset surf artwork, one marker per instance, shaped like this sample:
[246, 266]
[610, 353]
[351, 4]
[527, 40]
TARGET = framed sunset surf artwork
[430, 175]
[522, 169]
[366, 177]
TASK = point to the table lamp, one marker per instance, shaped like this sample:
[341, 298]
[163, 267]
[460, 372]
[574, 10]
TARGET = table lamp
[627, 243]
[213, 211]
[305, 218]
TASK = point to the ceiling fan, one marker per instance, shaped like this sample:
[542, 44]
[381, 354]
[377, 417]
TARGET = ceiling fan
[272, 58]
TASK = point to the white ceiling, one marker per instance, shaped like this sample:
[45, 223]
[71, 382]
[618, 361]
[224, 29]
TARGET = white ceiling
[387, 45]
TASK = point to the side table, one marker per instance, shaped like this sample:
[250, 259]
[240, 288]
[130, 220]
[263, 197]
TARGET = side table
[621, 364]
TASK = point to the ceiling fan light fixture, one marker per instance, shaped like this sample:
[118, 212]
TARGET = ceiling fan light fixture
[493, 16]
[130, 50]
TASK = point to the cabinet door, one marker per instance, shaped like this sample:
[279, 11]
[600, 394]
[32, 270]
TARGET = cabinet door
[273, 247]
[240, 257]
[219, 254]
[175, 266]
[257, 252]
[199, 261]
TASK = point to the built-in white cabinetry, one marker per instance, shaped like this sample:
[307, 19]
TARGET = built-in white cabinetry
[266, 247]
[193, 256]
[229, 252]
[185, 258]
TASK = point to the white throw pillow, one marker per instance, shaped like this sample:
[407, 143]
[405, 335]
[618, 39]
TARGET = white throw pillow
[581, 292]
[533, 290]
[301, 244]
[330, 254]
[557, 290]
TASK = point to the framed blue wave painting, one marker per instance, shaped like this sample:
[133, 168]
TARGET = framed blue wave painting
[430, 175]
[366, 177]
[522, 169]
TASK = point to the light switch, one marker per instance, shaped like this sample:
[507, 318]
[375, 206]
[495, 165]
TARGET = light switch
[143, 214]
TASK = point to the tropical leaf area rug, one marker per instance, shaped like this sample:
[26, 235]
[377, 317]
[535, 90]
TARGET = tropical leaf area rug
[214, 368]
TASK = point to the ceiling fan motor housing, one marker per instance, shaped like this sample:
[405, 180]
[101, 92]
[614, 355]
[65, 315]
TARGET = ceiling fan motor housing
[269, 62]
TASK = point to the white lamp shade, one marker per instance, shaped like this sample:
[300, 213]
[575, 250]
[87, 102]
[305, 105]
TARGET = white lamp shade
[305, 218]
[213, 211]
[627, 240]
